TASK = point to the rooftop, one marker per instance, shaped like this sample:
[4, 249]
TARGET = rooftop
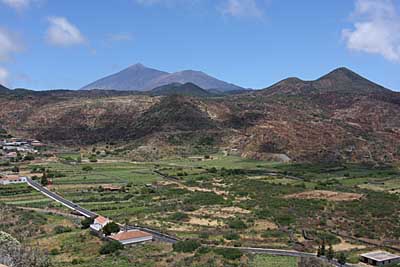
[130, 235]
[10, 178]
[101, 220]
[380, 256]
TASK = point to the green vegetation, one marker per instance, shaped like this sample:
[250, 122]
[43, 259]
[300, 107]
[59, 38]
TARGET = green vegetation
[186, 246]
[273, 261]
[110, 247]
[224, 201]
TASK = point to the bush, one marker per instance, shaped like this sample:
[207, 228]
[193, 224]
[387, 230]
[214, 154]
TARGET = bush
[231, 236]
[59, 229]
[237, 224]
[186, 246]
[229, 253]
[110, 228]
[54, 252]
[110, 247]
[86, 223]
[179, 216]
[87, 168]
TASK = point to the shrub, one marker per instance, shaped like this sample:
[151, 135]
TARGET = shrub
[87, 168]
[237, 224]
[229, 253]
[179, 216]
[231, 236]
[86, 223]
[186, 246]
[59, 229]
[110, 228]
[54, 252]
[110, 247]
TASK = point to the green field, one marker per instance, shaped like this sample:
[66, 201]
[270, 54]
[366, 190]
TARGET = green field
[221, 201]
[274, 261]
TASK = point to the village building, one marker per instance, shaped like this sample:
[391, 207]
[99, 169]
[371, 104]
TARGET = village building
[379, 258]
[99, 223]
[132, 237]
[12, 179]
[112, 188]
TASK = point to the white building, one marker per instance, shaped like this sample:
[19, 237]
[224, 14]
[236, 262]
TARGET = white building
[99, 223]
[12, 179]
[132, 237]
[380, 258]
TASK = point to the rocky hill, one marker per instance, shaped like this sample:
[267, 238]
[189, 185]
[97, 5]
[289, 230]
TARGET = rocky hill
[187, 89]
[339, 117]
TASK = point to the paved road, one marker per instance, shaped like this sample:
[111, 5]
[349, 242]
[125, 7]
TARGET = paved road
[87, 213]
[59, 199]
[157, 235]
[164, 237]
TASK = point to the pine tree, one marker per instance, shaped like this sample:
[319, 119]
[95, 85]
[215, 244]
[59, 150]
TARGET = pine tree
[342, 259]
[330, 253]
[319, 251]
[323, 249]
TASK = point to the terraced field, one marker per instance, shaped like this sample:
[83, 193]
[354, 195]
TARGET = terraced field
[227, 201]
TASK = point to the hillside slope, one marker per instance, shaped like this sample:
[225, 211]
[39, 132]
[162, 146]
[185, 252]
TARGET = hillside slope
[339, 117]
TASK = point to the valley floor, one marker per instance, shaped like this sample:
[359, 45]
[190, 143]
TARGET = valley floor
[215, 200]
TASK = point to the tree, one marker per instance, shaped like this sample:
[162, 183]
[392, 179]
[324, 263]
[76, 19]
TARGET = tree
[342, 258]
[323, 249]
[330, 254]
[111, 247]
[319, 251]
[44, 181]
[110, 228]
[15, 169]
[86, 223]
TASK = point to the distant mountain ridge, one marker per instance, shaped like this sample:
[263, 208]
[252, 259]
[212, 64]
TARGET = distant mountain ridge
[338, 80]
[340, 117]
[3, 88]
[141, 78]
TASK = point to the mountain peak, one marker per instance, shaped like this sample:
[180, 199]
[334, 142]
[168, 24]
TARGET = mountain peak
[141, 78]
[137, 66]
[342, 73]
[339, 80]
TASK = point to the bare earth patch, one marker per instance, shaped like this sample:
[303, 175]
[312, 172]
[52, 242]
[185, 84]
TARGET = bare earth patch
[204, 222]
[262, 225]
[218, 212]
[328, 195]
[345, 246]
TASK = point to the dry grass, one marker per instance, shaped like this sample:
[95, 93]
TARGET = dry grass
[328, 195]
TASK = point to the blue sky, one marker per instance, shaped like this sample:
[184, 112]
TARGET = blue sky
[48, 44]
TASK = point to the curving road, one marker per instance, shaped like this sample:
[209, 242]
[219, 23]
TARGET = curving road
[89, 214]
[168, 238]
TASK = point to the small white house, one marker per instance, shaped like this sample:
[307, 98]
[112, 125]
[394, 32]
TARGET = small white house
[99, 223]
[12, 179]
[132, 237]
[380, 258]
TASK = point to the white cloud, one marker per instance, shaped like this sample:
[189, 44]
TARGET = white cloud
[4, 76]
[376, 29]
[63, 33]
[242, 8]
[9, 44]
[17, 4]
